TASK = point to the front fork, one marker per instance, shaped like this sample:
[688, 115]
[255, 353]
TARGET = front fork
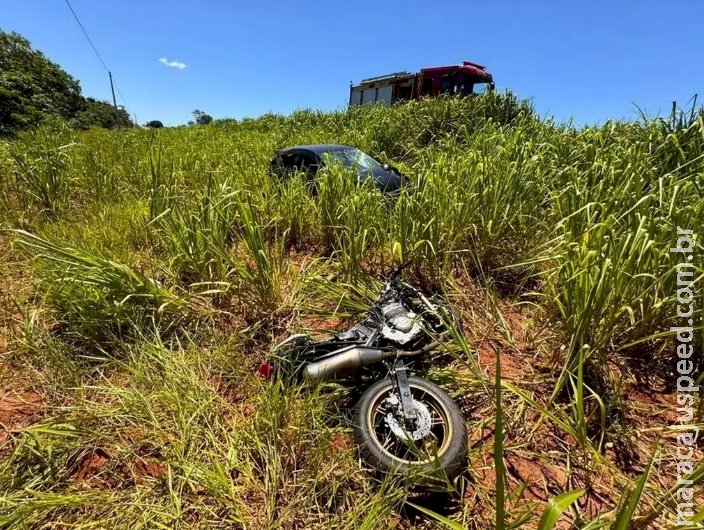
[399, 376]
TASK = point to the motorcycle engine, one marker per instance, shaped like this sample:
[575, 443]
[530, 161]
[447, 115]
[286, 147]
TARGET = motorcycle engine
[400, 324]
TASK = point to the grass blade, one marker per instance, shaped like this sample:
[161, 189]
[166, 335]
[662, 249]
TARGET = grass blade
[454, 525]
[499, 451]
[555, 507]
[627, 510]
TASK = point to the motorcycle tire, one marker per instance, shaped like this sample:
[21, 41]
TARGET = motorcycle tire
[448, 436]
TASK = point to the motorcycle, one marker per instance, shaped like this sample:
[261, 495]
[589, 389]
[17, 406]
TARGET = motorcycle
[401, 422]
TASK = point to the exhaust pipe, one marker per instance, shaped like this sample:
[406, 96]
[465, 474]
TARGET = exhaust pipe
[348, 360]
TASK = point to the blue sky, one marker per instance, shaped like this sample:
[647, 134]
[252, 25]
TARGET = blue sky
[591, 60]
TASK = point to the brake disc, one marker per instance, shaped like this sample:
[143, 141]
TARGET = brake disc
[423, 422]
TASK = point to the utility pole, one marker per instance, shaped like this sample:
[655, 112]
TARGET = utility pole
[114, 101]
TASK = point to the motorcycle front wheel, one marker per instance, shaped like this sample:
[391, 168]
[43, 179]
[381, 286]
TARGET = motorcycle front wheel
[436, 440]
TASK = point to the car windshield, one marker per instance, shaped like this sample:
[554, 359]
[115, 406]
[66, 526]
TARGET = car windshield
[352, 157]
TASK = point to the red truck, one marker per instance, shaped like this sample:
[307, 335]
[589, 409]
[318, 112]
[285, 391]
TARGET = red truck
[463, 79]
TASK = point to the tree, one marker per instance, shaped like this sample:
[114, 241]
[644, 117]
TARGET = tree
[96, 113]
[32, 87]
[201, 118]
[154, 124]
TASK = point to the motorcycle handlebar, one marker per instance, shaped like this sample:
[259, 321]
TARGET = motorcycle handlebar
[397, 271]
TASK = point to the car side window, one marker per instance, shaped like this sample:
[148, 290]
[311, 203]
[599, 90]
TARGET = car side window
[288, 161]
[308, 164]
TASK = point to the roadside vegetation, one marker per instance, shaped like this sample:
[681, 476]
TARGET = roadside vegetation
[147, 272]
[32, 87]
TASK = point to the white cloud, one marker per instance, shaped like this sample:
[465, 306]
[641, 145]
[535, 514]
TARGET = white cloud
[172, 64]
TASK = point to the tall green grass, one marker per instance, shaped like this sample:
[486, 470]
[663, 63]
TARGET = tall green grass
[42, 158]
[588, 215]
[136, 234]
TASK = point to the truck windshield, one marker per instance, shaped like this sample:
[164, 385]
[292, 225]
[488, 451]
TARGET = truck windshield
[351, 157]
[481, 88]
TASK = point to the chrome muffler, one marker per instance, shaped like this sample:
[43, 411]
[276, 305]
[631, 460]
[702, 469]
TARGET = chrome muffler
[347, 360]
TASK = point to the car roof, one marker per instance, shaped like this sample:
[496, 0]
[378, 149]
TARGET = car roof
[318, 149]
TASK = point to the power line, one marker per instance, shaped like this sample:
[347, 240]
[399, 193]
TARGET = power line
[97, 53]
[122, 98]
[86, 34]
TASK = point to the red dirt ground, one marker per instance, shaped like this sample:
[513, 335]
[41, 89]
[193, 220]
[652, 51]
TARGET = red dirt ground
[19, 408]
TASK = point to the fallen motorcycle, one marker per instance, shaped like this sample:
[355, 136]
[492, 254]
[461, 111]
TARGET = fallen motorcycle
[401, 421]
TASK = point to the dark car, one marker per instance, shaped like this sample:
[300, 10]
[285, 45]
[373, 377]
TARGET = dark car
[310, 158]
